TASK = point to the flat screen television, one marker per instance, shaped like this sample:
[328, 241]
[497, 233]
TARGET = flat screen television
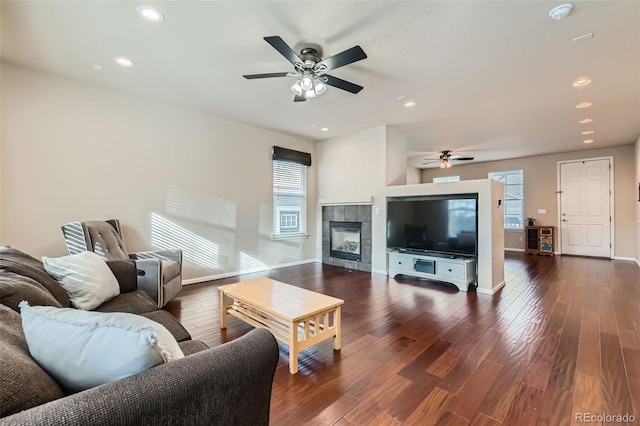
[445, 224]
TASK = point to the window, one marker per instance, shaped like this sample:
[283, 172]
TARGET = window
[289, 199]
[446, 179]
[513, 200]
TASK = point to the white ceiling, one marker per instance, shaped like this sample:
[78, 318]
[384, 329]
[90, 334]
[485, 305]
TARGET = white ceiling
[492, 78]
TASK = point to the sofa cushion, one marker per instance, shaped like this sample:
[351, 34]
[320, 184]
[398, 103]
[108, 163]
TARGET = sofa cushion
[82, 349]
[13, 260]
[136, 302]
[170, 323]
[85, 277]
[23, 383]
[15, 288]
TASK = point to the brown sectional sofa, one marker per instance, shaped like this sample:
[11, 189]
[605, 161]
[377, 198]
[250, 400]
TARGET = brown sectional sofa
[228, 384]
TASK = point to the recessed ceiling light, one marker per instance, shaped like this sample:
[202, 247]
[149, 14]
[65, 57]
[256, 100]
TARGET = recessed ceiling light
[123, 62]
[584, 105]
[582, 81]
[586, 120]
[150, 14]
[587, 141]
[409, 104]
[324, 129]
[588, 132]
[560, 12]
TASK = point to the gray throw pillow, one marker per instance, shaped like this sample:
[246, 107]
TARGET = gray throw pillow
[24, 384]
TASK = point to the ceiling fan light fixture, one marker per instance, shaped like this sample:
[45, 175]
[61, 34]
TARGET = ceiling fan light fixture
[310, 94]
[307, 82]
[319, 87]
[297, 88]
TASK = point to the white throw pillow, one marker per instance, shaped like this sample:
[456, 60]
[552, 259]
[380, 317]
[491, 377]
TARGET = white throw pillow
[85, 277]
[82, 349]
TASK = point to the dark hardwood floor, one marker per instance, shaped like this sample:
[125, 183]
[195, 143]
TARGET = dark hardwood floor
[560, 339]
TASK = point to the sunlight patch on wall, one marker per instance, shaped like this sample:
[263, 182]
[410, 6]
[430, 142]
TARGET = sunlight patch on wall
[265, 220]
[279, 252]
[200, 207]
[249, 263]
[166, 234]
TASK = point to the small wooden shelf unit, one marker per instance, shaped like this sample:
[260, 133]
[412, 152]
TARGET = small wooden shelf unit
[540, 240]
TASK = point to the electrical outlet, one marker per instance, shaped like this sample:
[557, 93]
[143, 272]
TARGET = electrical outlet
[301, 246]
[521, 238]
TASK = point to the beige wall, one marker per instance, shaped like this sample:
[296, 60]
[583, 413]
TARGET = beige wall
[396, 157]
[637, 193]
[353, 167]
[540, 177]
[173, 176]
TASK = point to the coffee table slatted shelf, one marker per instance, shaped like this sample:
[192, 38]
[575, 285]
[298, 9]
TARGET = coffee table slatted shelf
[297, 317]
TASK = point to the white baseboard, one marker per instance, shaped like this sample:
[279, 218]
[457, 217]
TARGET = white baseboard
[514, 249]
[379, 271]
[490, 291]
[245, 271]
[629, 259]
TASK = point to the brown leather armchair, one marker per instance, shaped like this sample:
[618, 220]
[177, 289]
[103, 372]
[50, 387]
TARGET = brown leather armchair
[159, 273]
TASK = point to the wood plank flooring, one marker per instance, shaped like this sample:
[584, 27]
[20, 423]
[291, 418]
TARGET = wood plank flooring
[560, 340]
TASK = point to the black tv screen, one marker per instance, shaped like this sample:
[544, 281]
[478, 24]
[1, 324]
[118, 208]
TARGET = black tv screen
[440, 224]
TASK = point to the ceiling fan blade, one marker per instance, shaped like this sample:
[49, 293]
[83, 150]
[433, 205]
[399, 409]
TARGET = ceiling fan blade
[341, 59]
[462, 158]
[342, 84]
[284, 49]
[300, 98]
[430, 161]
[267, 75]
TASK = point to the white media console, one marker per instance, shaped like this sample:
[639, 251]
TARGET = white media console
[458, 270]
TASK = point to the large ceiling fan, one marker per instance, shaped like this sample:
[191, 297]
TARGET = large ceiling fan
[310, 69]
[445, 159]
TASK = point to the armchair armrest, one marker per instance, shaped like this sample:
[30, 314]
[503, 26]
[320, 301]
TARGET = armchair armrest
[148, 277]
[229, 384]
[171, 254]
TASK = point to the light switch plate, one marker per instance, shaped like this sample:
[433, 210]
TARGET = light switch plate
[542, 211]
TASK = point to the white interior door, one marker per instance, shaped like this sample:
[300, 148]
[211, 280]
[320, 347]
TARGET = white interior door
[585, 207]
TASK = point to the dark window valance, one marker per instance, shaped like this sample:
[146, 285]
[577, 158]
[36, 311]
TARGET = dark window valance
[284, 154]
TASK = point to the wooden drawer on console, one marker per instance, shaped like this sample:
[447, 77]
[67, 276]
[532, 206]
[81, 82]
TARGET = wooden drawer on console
[400, 262]
[450, 270]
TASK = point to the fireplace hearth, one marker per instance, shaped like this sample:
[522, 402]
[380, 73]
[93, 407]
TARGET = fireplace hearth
[346, 240]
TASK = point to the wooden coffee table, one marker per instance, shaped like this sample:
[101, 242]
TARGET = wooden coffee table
[297, 317]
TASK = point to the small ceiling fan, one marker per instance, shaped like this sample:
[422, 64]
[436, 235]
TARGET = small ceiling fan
[310, 69]
[446, 159]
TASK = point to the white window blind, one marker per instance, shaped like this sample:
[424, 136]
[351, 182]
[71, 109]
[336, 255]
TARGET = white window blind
[513, 197]
[446, 179]
[289, 199]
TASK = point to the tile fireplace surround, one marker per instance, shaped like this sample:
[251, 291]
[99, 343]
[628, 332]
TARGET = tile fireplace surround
[347, 213]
